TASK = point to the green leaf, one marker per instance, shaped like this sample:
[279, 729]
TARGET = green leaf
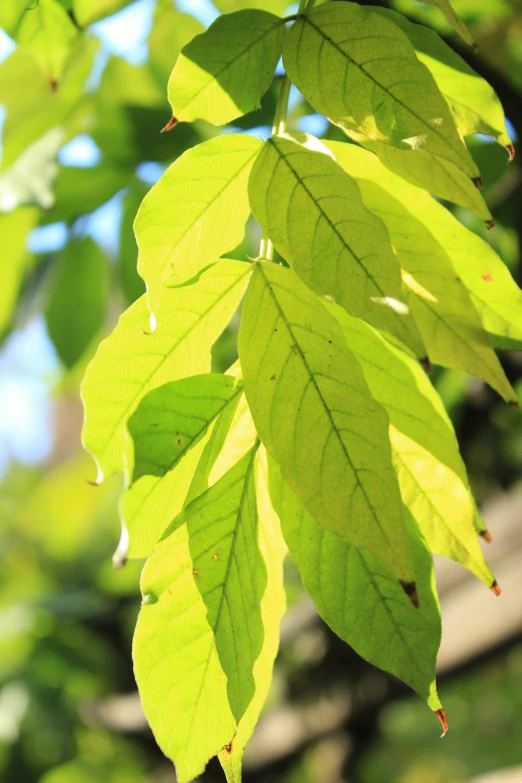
[494, 294]
[453, 19]
[315, 415]
[195, 212]
[432, 477]
[115, 382]
[377, 89]
[274, 6]
[473, 102]
[79, 191]
[302, 198]
[222, 73]
[29, 180]
[201, 629]
[272, 608]
[88, 11]
[77, 299]
[14, 229]
[171, 30]
[11, 12]
[166, 426]
[360, 601]
[131, 283]
[47, 31]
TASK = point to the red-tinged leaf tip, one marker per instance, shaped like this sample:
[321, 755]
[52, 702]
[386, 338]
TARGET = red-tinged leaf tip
[511, 152]
[490, 224]
[426, 364]
[170, 124]
[441, 715]
[228, 748]
[515, 405]
[488, 277]
[477, 181]
[495, 588]
[53, 84]
[486, 535]
[410, 588]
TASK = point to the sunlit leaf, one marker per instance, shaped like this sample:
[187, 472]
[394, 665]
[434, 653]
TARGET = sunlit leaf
[313, 213]
[168, 423]
[171, 30]
[222, 73]
[47, 32]
[358, 598]
[453, 19]
[473, 102]
[195, 212]
[88, 11]
[495, 296]
[132, 284]
[77, 299]
[377, 89]
[188, 321]
[201, 628]
[315, 415]
[432, 477]
[29, 180]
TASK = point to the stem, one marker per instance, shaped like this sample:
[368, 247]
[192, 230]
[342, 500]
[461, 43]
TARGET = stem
[266, 249]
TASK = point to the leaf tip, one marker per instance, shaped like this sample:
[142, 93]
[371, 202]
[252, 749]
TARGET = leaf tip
[477, 181]
[441, 715]
[119, 558]
[170, 124]
[426, 364]
[495, 588]
[515, 405]
[486, 535]
[490, 224]
[410, 588]
[511, 152]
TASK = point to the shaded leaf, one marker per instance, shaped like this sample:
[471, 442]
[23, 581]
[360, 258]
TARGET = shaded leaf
[166, 427]
[47, 32]
[356, 596]
[115, 382]
[377, 89]
[131, 283]
[222, 73]
[171, 30]
[453, 19]
[79, 191]
[195, 212]
[77, 299]
[315, 415]
[432, 477]
[313, 213]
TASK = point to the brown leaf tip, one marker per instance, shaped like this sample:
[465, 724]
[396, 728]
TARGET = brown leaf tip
[490, 224]
[441, 715]
[486, 535]
[170, 124]
[477, 181]
[426, 364]
[495, 588]
[410, 588]
[515, 405]
[511, 152]
[487, 277]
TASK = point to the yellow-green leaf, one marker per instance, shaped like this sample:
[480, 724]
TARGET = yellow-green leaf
[432, 477]
[377, 88]
[47, 31]
[188, 321]
[313, 213]
[453, 19]
[223, 73]
[315, 415]
[195, 212]
[14, 228]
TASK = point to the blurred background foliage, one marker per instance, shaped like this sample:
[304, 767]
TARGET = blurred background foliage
[82, 101]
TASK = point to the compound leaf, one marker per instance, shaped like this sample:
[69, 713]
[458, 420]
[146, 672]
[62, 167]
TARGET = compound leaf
[313, 213]
[432, 477]
[377, 88]
[359, 600]
[166, 427]
[315, 415]
[195, 212]
[188, 321]
[223, 73]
